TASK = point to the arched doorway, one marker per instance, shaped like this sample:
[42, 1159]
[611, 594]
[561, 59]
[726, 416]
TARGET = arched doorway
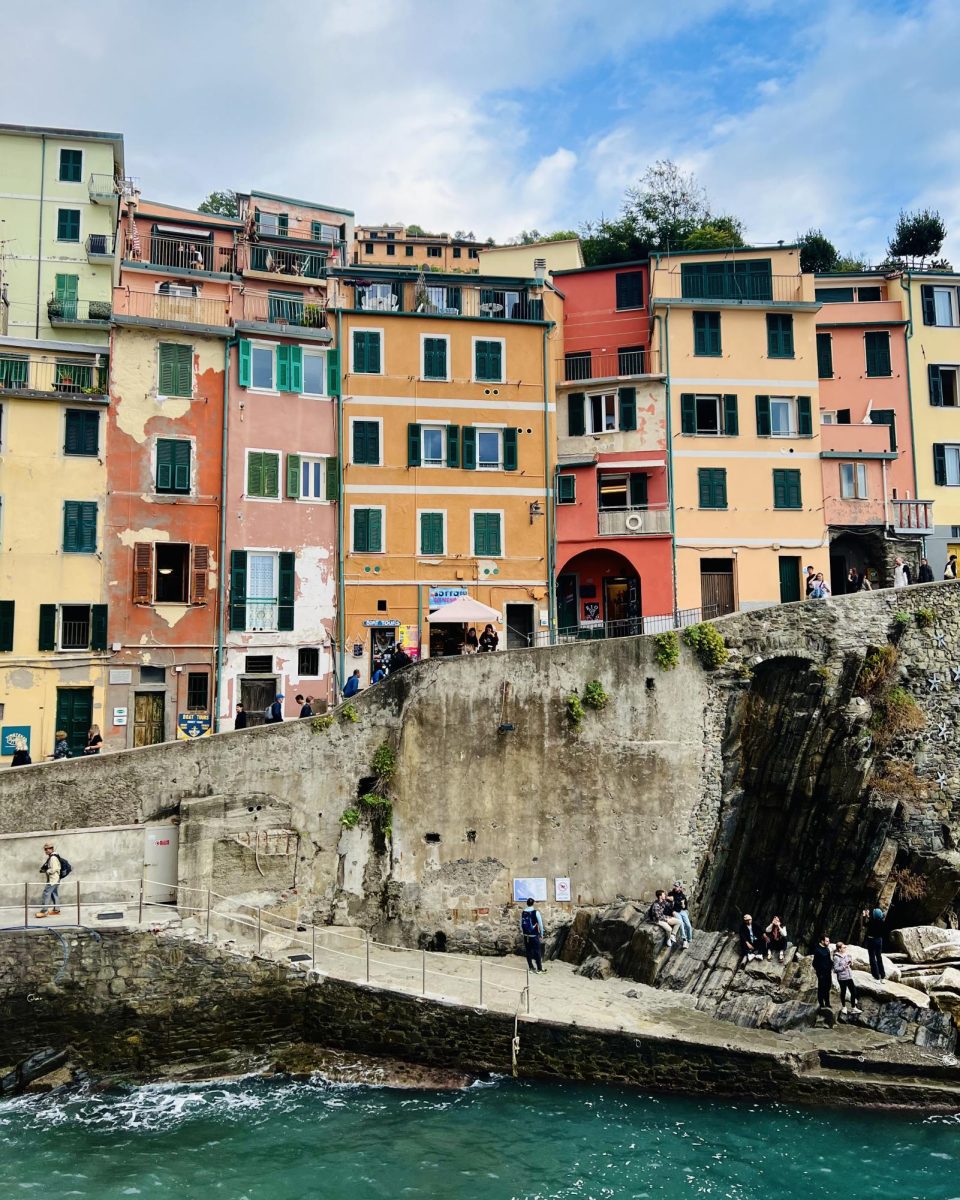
[599, 595]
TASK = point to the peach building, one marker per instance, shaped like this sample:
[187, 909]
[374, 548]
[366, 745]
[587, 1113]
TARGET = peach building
[398, 247]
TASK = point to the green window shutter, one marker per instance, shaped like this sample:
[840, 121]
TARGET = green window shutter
[699, 333]
[71, 526]
[638, 490]
[731, 417]
[413, 444]
[376, 531]
[576, 417]
[67, 287]
[331, 477]
[488, 361]
[688, 412]
[238, 589]
[929, 304]
[824, 356]
[763, 416]
[287, 582]
[283, 368]
[166, 382]
[88, 528]
[480, 362]
[68, 225]
[181, 466]
[469, 448]
[936, 385]
[510, 450]
[566, 489]
[786, 489]
[98, 627]
[705, 487]
[706, 333]
[245, 361]
[779, 490]
[315, 230]
[435, 358]
[48, 627]
[720, 487]
[293, 476]
[453, 445]
[164, 465]
[886, 416]
[296, 368]
[431, 533]
[71, 164]
[804, 416]
[79, 527]
[373, 353]
[283, 224]
[780, 335]
[361, 530]
[6, 624]
[359, 352]
[255, 473]
[175, 369]
[487, 535]
[939, 464]
[366, 443]
[496, 361]
[81, 432]
[333, 372]
[271, 474]
[877, 346]
[628, 409]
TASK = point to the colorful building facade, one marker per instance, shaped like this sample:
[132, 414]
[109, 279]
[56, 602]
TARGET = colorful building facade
[448, 439]
[397, 247]
[736, 335]
[614, 544]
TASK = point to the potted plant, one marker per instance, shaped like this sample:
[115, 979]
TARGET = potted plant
[99, 310]
[54, 308]
[312, 317]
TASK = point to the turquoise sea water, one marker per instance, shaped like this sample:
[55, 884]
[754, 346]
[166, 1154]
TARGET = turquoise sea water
[255, 1139]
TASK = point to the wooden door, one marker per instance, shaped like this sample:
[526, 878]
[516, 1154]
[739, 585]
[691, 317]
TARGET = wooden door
[148, 718]
[716, 589]
[75, 715]
[255, 695]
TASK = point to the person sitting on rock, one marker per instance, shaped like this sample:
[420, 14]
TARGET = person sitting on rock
[844, 973]
[775, 938]
[751, 943]
[661, 914]
[681, 908]
[823, 967]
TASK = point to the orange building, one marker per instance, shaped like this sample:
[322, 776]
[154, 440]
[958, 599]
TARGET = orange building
[395, 246]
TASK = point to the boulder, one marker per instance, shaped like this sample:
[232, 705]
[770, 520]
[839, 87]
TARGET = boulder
[945, 994]
[574, 948]
[885, 991]
[614, 927]
[916, 941]
[792, 1015]
[597, 967]
[860, 961]
[640, 957]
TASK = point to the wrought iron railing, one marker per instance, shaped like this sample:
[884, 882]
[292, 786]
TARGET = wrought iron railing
[63, 376]
[101, 245]
[285, 310]
[276, 260]
[185, 310]
[584, 366]
[69, 312]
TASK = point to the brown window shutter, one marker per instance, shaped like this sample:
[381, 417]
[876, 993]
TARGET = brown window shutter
[199, 575]
[142, 572]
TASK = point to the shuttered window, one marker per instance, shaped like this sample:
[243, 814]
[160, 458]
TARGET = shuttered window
[367, 531]
[68, 224]
[173, 466]
[487, 542]
[431, 533]
[786, 489]
[175, 369]
[366, 443]
[628, 408]
[706, 334]
[876, 344]
[630, 289]
[142, 573]
[82, 432]
[367, 358]
[824, 356]
[71, 166]
[488, 361]
[434, 358]
[263, 474]
[712, 487]
[780, 335]
[79, 527]
[566, 489]
[6, 624]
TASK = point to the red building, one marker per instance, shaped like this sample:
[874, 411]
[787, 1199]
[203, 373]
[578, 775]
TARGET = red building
[614, 557]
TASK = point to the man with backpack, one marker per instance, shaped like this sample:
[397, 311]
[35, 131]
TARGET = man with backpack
[273, 713]
[56, 869]
[531, 926]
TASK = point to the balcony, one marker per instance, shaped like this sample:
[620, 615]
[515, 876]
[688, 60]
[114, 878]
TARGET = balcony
[633, 522]
[728, 288]
[913, 516]
[100, 247]
[171, 310]
[104, 189]
[188, 254]
[596, 366]
[441, 300]
[849, 441]
[26, 374]
[307, 316]
[290, 263]
[79, 314]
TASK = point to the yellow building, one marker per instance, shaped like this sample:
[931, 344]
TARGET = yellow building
[53, 628]
[737, 338]
[59, 191]
[447, 450]
[564, 254]
[931, 304]
[396, 246]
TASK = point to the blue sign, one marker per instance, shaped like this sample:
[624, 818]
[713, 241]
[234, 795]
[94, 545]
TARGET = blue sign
[439, 596]
[193, 725]
[13, 738]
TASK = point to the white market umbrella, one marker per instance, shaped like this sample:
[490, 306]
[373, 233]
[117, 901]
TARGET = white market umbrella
[463, 611]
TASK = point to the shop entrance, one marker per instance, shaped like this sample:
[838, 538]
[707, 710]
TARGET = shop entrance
[382, 642]
[621, 606]
[75, 716]
[519, 619]
[447, 639]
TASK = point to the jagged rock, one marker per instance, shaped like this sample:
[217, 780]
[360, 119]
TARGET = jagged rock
[916, 941]
[888, 993]
[596, 967]
[790, 1015]
[574, 948]
[860, 961]
[640, 957]
[614, 927]
[943, 952]
[945, 994]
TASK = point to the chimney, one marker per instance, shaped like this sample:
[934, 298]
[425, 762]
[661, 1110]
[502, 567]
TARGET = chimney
[539, 269]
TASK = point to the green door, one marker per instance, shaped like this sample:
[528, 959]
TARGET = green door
[789, 578]
[567, 615]
[68, 293]
[75, 715]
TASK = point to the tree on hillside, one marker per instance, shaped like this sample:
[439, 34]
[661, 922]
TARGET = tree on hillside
[716, 233]
[222, 204]
[917, 237]
[668, 205]
[528, 237]
[417, 231]
[611, 241]
[851, 263]
[817, 253]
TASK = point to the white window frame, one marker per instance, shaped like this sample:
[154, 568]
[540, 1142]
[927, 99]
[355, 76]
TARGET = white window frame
[275, 556]
[383, 528]
[61, 648]
[261, 225]
[718, 402]
[309, 351]
[83, 163]
[273, 389]
[588, 411]
[421, 553]
[497, 429]
[473, 359]
[953, 298]
[423, 357]
[436, 427]
[177, 291]
[310, 460]
[503, 533]
[791, 402]
[246, 475]
[828, 416]
[853, 481]
[379, 421]
[951, 452]
[379, 331]
[955, 371]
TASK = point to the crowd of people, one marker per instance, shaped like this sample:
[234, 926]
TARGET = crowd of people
[817, 588]
[671, 913]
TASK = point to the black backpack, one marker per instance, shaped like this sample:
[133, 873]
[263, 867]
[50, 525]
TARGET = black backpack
[65, 867]
[528, 922]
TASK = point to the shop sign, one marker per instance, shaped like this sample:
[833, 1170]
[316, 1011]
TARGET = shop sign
[382, 623]
[193, 725]
[13, 738]
[439, 596]
[120, 716]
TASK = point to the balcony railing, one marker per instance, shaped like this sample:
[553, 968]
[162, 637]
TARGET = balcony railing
[631, 626]
[633, 522]
[75, 635]
[100, 247]
[283, 310]
[104, 189]
[177, 310]
[187, 254]
[860, 438]
[64, 376]
[583, 366]
[448, 301]
[262, 616]
[274, 260]
[913, 516]
[78, 312]
[728, 288]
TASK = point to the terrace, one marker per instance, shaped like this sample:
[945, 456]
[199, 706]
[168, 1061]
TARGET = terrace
[55, 375]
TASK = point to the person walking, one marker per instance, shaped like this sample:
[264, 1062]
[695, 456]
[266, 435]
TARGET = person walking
[874, 941]
[306, 708]
[809, 581]
[901, 573]
[531, 926]
[53, 868]
[751, 944]
[352, 686]
[775, 937]
[399, 659]
[240, 717]
[844, 973]
[950, 570]
[681, 908]
[94, 741]
[853, 580]
[661, 914]
[821, 589]
[925, 574]
[823, 967]
[274, 713]
[61, 747]
[21, 758]
[489, 639]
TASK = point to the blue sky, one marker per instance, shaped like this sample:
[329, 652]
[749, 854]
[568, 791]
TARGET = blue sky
[497, 116]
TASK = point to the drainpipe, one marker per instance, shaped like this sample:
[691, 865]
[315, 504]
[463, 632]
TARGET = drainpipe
[913, 441]
[550, 496]
[43, 172]
[341, 590]
[664, 324]
[222, 552]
